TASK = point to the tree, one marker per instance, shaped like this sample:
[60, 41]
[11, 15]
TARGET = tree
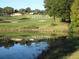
[22, 11]
[50, 7]
[28, 9]
[74, 16]
[65, 13]
[43, 12]
[37, 11]
[8, 10]
[1, 11]
[58, 8]
[16, 11]
[75, 11]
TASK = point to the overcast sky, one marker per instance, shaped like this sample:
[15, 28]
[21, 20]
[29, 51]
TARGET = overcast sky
[17, 4]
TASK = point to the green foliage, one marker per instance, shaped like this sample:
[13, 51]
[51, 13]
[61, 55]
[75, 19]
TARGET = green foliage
[58, 8]
[75, 11]
[36, 11]
[16, 11]
[22, 11]
[8, 10]
[74, 16]
[1, 11]
[28, 9]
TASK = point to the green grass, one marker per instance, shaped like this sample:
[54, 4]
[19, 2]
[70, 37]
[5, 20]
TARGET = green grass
[74, 55]
[43, 22]
[27, 22]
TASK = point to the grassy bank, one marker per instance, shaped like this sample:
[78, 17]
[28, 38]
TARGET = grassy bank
[63, 48]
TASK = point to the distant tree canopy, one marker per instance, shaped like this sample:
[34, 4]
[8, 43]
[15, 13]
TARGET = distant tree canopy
[1, 11]
[8, 10]
[16, 11]
[28, 10]
[59, 8]
[37, 11]
[22, 11]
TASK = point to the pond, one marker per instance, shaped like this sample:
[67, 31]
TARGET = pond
[15, 50]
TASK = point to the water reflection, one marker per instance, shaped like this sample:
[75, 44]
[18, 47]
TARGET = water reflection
[22, 50]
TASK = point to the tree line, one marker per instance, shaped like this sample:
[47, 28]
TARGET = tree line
[7, 11]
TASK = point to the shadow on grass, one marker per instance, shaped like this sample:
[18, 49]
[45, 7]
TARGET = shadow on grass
[61, 47]
[24, 18]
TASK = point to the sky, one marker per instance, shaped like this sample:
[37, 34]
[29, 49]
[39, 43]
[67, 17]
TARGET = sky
[17, 4]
